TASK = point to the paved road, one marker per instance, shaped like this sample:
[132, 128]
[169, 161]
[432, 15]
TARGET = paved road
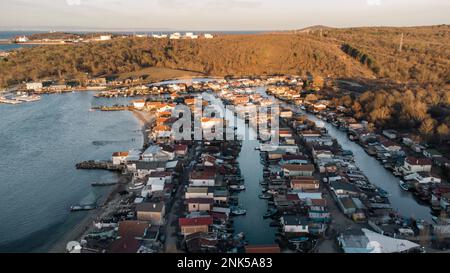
[170, 245]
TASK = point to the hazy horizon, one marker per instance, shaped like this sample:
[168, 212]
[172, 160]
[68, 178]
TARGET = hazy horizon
[217, 15]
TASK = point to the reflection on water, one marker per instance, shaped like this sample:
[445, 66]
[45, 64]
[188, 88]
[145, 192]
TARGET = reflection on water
[40, 144]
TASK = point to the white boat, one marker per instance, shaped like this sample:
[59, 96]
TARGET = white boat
[264, 196]
[9, 101]
[28, 98]
[238, 211]
[403, 185]
[136, 187]
[237, 187]
[82, 207]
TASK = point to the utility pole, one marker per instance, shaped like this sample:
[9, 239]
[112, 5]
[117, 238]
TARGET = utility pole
[320, 33]
[401, 43]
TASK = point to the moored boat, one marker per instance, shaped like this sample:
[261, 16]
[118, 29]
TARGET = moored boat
[403, 185]
[270, 212]
[82, 207]
[237, 187]
[264, 196]
[238, 211]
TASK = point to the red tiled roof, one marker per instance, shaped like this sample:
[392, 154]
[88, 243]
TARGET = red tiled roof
[160, 174]
[292, 197]
[127, 244]
[202, 175]
[262, 249]
[418, 161]
[298, 167]
[319, 202]
[200, 221]
[133, 228]
[120, 154]
[180, 147]
[304, 182]
[388, 143]
[200, 200]
[294, 157]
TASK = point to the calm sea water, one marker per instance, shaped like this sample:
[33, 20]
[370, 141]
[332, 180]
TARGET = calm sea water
[12, 34]
[40, 143]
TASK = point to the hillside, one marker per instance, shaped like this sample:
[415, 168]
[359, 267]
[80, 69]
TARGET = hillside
[371, 52]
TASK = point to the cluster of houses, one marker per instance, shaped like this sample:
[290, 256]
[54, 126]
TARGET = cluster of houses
[187, 189]
[155, 174]
[290, 184]
[177, 36]
[69, 40]
[418, 168]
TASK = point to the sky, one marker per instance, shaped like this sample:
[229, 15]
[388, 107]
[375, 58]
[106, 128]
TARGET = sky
[219, 14]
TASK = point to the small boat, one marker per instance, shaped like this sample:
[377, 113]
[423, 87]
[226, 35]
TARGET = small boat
[82, 207]
[238, 211]
[382, 192]
[136, 187]
[103, 184]
[270, 213]
[403, 185]
[28, 98]
[237, 187]
[264, 196]
[298, 240]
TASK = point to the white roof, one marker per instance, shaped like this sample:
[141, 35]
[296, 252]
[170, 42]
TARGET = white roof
[383, 244]
[171, 164]
[221, 210]
[310, 195]
[157, 182]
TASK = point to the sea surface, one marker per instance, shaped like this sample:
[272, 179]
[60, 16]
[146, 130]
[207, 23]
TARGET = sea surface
[40, 143]
[12, 34]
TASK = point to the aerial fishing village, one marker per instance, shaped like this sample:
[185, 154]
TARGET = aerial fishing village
[184, 195]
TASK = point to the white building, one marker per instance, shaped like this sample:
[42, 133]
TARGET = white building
[202, 179]
[22, 39]
[191, 35]
[139, 104]
[119, 158]
[166, 177]
[422, 178]
[208, 36]
[105, 37]
[175, 36]
[156, 185]
[36, 86]
[415, 165]
[294, 223]
[156, 153]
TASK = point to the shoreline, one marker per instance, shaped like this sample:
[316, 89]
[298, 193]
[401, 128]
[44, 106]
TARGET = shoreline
[109, 200]
[86, 224]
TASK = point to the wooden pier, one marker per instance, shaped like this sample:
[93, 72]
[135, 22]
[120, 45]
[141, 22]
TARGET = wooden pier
[99, 165]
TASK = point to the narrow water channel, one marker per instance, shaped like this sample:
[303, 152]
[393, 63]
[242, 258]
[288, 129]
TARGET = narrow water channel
[403, 202]
[257, 229]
